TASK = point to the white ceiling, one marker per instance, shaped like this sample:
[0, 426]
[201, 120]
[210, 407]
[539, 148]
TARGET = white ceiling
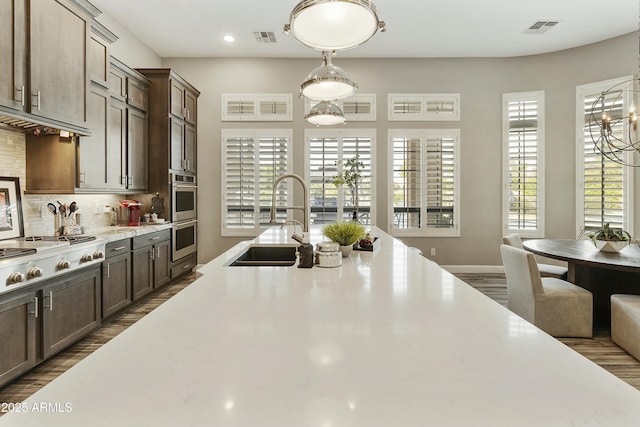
[415, 28]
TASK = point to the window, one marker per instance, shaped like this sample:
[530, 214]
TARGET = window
[251, 161]
[356, 108]
[523, 163]
[604, 193]
[257, 107]
[425, 182]
[327, 151]
[424, 107]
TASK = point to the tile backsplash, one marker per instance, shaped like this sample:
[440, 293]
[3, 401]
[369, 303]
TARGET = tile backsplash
[37, 219]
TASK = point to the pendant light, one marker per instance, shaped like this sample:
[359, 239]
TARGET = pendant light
[333, 24]
[325, 113]
[327, 82]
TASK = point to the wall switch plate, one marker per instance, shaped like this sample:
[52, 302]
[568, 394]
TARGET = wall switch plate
[433, 251]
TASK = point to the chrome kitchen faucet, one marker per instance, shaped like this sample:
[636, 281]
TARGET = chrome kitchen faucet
[305, 208]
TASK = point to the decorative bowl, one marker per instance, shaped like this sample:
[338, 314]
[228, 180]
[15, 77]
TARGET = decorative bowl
[611, 246]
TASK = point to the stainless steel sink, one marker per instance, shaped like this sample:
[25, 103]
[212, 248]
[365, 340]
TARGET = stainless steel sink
[261, 256]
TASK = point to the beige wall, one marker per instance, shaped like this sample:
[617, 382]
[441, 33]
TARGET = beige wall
[480, 82]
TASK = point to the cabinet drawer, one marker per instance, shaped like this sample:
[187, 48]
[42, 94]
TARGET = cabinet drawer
[151, 238]
[184, 266]
[117, 247]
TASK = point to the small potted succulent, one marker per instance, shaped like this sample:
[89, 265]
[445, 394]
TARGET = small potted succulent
[610, 239]
[345, 234]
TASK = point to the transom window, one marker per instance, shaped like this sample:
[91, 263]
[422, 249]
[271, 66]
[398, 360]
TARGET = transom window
[425, 182]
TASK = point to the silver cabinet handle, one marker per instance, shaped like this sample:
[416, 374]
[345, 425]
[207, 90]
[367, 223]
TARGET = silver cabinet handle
[123, 179]
[37, 96]
[186, 267]
[152, 254]
[35, 307]
[155, 238]
[158, 254]
[21, 90]
[108, 269]
[119, 248]
[129, 180]
[83, 174]
[50, 306]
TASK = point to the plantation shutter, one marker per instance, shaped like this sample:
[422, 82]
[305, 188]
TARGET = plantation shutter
[604, 189]
[251, 163]
[523, 198]
[425, 182]
[327, 152]
[240, 171]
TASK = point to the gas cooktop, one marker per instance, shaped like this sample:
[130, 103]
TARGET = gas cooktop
[42, 243]
[72, 239]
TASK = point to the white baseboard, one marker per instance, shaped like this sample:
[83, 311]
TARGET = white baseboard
[481, 269]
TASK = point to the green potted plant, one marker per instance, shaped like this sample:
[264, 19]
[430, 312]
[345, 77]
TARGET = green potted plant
[345, 234]
[350, 175]
[610, 239]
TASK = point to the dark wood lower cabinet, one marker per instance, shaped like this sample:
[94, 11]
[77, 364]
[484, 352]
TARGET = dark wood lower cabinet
[151, 262]
[70, 309]
[142, 276]
[18, 331]
[116, 277]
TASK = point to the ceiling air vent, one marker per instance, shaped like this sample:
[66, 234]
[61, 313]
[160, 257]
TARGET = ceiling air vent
[264, 36]
[541, 27]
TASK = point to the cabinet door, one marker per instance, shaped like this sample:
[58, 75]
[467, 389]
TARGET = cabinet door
[117, 144]
[177, 99]
[13, 54]
[137, 94]
[117, 84]
[142, 271]
[191, 107]
[137, 149]
[70, 309]
[161, 264]
[18, 336]
[177, 143]
[59, 38]
[93, 161]
[190, 148]
[116, 284]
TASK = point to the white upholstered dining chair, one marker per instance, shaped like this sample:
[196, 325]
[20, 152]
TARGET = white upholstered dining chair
[546, 270]
[556, 306]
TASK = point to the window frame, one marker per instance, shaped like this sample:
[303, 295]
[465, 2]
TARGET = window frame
[519, 97]
[424, 230]
[582, 91]
[256, 134]
[341, 134]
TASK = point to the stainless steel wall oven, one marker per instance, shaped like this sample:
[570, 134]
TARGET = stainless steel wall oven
[184, 197]
[184, 214]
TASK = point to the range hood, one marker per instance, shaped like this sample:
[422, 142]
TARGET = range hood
[30, 123]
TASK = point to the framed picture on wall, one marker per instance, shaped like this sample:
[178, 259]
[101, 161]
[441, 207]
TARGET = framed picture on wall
[11, 224]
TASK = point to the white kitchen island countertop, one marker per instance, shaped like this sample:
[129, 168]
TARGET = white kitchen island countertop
[387, 340]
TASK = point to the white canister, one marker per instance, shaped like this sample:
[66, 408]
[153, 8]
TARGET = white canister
[328, 254]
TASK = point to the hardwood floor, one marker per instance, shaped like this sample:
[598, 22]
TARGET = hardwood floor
[600, 349]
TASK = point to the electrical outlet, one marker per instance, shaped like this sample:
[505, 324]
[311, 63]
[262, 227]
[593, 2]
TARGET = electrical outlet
[433, 251]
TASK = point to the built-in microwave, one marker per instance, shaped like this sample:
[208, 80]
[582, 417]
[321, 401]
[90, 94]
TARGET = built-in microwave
[184, 239]
[184, 197]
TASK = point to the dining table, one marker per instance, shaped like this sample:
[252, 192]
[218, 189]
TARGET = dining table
[602, 273]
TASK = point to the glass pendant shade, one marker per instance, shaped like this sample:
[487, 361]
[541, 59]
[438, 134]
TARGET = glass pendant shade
[325, 113]
[333, 24]
[327, 82]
